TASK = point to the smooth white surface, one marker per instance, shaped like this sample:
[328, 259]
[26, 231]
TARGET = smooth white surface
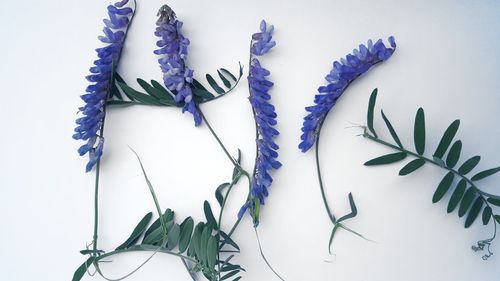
[447, 62]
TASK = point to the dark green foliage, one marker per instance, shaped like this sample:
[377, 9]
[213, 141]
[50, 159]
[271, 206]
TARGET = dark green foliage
[138, 231]
[419, 132]
[386, 159]
[486, 173]
[443, 187]
[469, 165]
[469, 199]
[371, 106]
[454, 154]
[457, 195]
[80, 271]
[447, 138]
[412, 166]
[157, 94]
[474, 212]
[391, 129]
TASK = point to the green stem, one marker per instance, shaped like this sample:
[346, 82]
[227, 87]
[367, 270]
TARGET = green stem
[481, 193]
[218, 140]
[96, 206]
[320, 180]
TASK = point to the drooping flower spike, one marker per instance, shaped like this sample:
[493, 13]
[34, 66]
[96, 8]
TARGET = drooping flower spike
[173, 49]
[339, 78]
[265, 120]
[89, 126]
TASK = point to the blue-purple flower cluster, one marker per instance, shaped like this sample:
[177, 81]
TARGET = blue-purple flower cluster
[265, 119]
[173, 49]
[339, 78]
[89, 126]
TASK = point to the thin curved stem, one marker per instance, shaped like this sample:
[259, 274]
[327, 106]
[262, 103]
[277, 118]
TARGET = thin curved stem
[320, 180]
[96, 206]
[264, 257]
[139, 248]
[218, 140]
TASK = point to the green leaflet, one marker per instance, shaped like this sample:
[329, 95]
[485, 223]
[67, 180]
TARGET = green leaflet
[447, 138]
[205, 235]
[354, 210]
[203, 94]
[173, 236]
[487, 212]
[484, 174]
[228, 240]
[443, 187]
[214, 84]
[386, 159]
[419, 132]
[152, 90]
[371, 106]
[493, 201]
[226, 72]
[136, 95]
[454, 154]
[185, 234]
[457, 195]
[412, 166]
[218, 193]
[80, 271]
[138, 231]
[466, 202]
[474, 212]
[469, 165]
[211, 252]
[332, 235]
[391, 129]
[167, 216]
[163, 92]
[209, 214]
[229, 275]
[224, 79]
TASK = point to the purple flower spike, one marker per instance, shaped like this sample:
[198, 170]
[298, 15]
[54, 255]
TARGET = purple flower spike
[265, 119]
[90, 125]
[339, 78]
[173, 49]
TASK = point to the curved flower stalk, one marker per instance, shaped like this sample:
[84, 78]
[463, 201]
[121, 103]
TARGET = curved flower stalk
[344, 72]
[265, 120]
[177, 77]
[90, 126]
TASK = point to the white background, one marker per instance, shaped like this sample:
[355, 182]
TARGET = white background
[447, 62]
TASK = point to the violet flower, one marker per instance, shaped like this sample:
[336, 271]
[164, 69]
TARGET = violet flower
[265, 119]
[89, 127]
[342, 74]
[177, 77]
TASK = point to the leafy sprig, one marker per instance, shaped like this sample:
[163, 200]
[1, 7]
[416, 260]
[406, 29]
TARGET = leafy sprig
[201, 247]
[465, 194]
[154, 93]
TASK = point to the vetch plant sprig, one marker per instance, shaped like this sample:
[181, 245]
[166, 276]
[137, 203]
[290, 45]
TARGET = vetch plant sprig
[173, 51]
[265, 120]
[344, 72]
[90, 127]
[470, 200]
